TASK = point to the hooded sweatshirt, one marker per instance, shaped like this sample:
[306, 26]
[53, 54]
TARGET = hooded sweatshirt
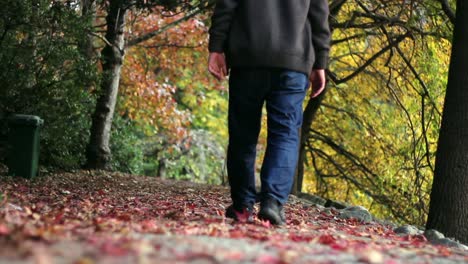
[291, 34]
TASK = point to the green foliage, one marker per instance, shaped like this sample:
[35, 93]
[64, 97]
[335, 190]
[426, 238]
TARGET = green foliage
[126, 146]
[207, 106]
[199, 158]
[66, 129]
[44, 73]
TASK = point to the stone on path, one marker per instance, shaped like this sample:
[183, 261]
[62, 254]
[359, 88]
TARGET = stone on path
[407, 230]
[437, 238]
[358, 212]
[432, 235]
[449, 243]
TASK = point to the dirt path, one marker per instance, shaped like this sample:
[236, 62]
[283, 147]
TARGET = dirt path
[100, 217]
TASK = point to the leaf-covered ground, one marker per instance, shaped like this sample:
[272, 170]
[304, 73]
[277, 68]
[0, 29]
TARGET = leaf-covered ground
[101, 217]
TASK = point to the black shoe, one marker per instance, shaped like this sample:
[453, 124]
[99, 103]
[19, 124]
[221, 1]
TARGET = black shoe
[272, 210]
[243, 214]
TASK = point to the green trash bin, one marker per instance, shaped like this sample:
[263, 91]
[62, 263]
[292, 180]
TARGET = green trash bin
[23, 141]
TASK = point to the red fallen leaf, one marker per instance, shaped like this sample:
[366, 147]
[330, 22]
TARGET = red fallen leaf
[242, 217]
[210, 220]
[380, 230]
[259, 235]
[267, 259]
[219, 212]
[234, 256]
[340, 245]
[420, 238]
[265, 223]
[58, 218]
[444, 251]
[236, 234]
[99, 220]
[414, 240]
[125, 217]
[299, 238]
[358, 233]
[327, 239]
[4, 230]
[406, 238]
[192, 206]
[296, 221]
[148, 224]
[353, 222]
[113, 249]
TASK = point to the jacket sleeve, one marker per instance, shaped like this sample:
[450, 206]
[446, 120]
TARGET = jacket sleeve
[318, 17]
[220, 24]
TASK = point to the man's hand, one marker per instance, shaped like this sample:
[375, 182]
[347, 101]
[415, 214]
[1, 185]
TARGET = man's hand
[317, 78]
[217, 65]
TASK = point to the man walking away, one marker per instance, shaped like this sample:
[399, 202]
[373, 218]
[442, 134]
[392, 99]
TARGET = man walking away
[273, 48]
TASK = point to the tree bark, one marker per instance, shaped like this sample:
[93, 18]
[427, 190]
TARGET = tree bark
[448, 211]
[88, 12]
[98, 151]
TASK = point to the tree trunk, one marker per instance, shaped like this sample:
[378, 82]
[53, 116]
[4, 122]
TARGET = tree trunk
[98, 151]
[88, 12]
[448, 211]
[309, 116]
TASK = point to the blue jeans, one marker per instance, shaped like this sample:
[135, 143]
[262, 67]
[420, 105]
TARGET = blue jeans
[284, 92]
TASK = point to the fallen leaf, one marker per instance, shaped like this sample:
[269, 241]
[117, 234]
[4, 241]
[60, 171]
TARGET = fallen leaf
[326, 239]
[267, 259]
[114, 249]
[4, 230]
[265, 223]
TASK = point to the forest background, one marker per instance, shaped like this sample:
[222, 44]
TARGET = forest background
[370, 139]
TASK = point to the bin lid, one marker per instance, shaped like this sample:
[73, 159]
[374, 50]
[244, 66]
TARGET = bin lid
[25, 120]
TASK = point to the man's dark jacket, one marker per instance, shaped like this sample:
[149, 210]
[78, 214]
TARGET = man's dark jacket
[291, 34]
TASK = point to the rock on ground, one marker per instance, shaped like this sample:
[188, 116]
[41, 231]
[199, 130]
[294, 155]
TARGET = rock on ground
[407, 230]
[358, 212]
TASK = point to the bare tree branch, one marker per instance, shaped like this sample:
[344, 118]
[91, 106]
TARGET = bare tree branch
[372, 59]
[448, 10]
[101, 37]
[171, 45]
[140, 39]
